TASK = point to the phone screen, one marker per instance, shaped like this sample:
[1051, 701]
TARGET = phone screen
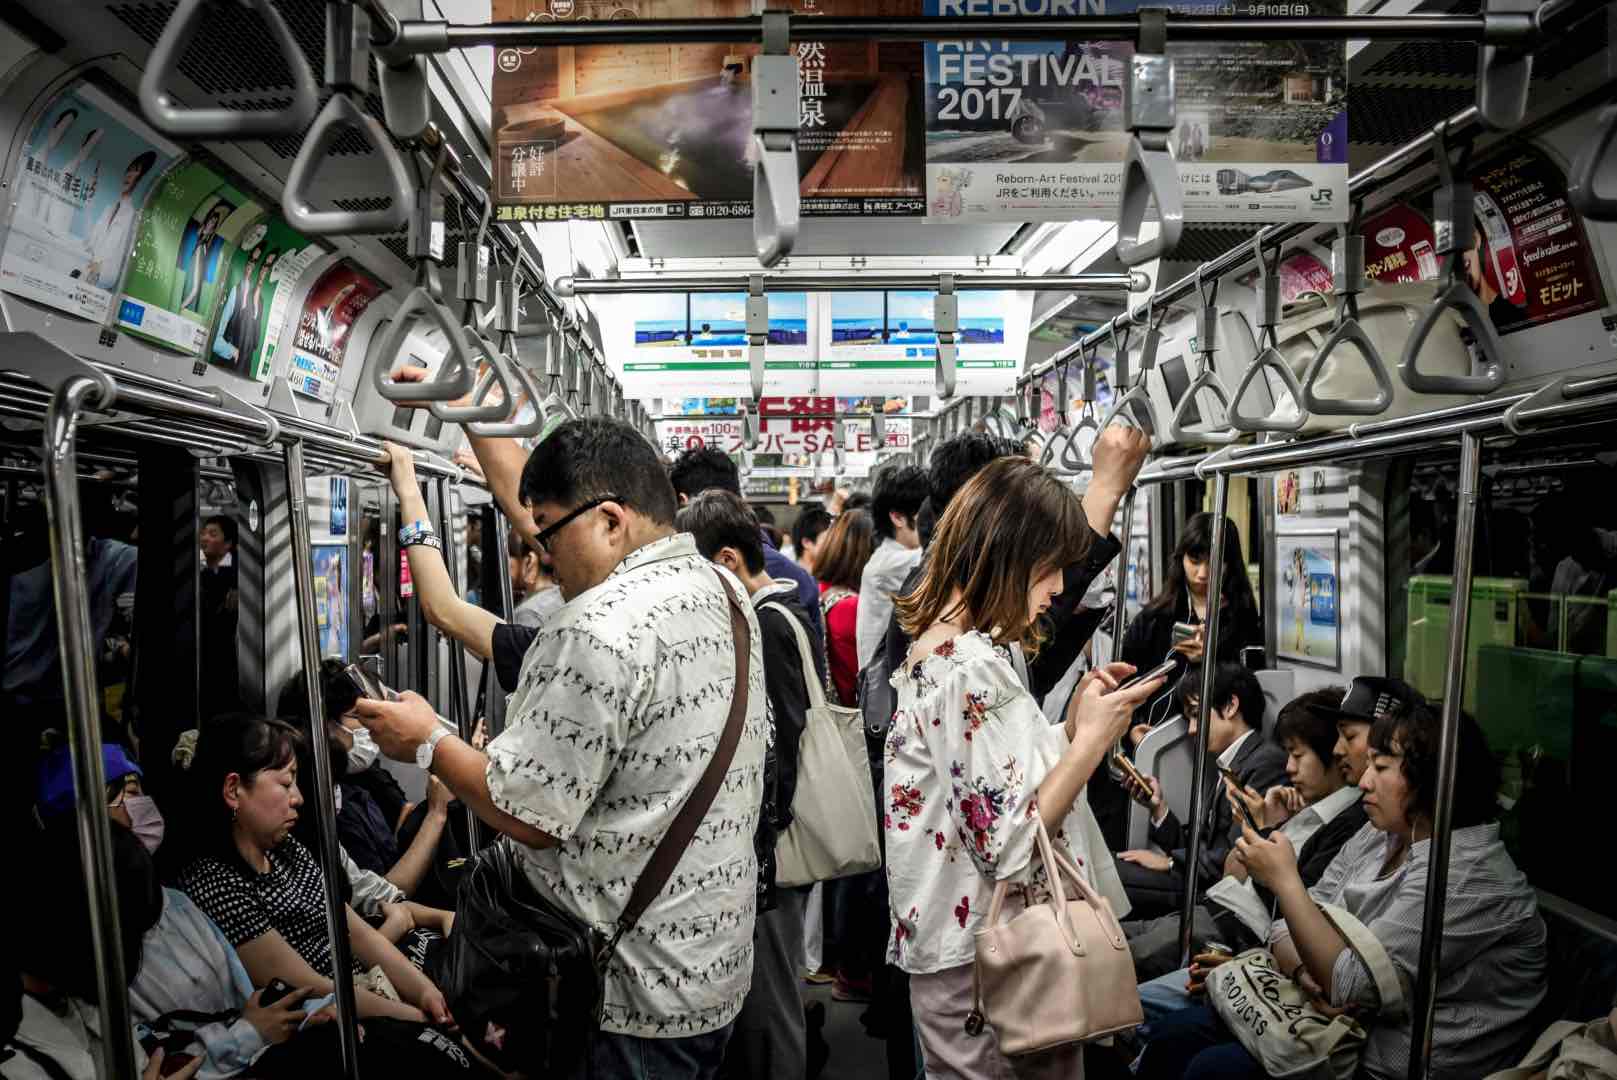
[1167, 667]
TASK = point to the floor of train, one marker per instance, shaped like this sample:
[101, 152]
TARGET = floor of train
[854, 1054]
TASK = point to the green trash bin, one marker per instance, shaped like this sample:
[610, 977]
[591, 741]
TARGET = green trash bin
[1494, 603]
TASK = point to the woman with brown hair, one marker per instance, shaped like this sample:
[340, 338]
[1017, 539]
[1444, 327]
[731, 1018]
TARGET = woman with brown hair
[972, 765]
[839, 563]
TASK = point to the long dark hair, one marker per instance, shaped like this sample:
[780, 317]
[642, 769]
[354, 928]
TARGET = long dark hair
[240, 743]
[1196, 541]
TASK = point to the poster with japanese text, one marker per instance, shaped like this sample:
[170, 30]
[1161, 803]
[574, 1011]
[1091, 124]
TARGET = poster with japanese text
[331, 598]
[1310, 624]
[1020, 131]
[665, 131]
[1530, 262]
[83, 176]
[697, 342]
[182, 255]
[798, 428]
[887, 343]
[335, 302]
[264, 267]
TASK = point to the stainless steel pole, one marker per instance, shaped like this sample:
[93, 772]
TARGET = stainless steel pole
[74, 637]
[1132, 281]
[1204, 709]
[455, 684]
[1120, 603]
[325, 806]
[494, 696]
[387, 583]
[1437, 874]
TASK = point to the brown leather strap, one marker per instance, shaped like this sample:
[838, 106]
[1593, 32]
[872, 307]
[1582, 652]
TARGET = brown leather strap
[678, 837]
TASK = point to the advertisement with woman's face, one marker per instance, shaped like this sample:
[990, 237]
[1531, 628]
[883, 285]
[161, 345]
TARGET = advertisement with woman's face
[80, 184]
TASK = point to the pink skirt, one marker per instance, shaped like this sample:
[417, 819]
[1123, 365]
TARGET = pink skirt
[941, 1002]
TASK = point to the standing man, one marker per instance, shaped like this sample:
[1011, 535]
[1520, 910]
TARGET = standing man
[623, 692]
[900, 491]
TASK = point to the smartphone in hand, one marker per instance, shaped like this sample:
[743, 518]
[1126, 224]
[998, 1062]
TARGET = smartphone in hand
[368, 685]
[1166, 668]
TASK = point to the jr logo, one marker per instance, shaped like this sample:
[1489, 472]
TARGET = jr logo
[1323, 195]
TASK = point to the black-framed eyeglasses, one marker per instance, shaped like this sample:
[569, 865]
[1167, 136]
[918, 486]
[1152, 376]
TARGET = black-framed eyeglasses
[547, 534]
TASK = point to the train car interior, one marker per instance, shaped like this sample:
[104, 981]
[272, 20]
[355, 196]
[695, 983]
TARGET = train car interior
[309, 306]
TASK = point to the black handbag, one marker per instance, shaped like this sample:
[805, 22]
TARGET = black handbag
[526, 979]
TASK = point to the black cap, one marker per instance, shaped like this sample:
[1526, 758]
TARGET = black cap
[1369, 698]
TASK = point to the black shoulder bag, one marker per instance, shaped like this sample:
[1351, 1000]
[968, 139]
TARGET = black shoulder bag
[525, 979]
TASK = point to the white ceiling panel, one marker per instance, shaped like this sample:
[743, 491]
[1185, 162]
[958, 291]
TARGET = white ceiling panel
[823, 237]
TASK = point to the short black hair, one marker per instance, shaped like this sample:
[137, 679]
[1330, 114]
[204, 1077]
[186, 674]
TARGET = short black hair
[1415, 730]
[900, 489]
[956, 461]
[584, 459]
[337, 689]
[813, 521]
[1231, 682]
[146, 159]
[1311, 720]
[721, 519]
[859, 500]
[227, 525]
[697, 470]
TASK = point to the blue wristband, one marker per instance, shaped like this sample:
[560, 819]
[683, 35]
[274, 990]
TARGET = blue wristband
[419, 532]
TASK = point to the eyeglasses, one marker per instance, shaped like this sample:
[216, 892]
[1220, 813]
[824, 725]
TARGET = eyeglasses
[548, 534]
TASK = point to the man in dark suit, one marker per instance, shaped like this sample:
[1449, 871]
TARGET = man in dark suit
[1318, 809]
[1155, 880]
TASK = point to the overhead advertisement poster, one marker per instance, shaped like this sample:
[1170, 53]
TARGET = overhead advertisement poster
[887, 342]
[265, 266]
[81, 180]
[665, 131]
[1019, 131]
[334, 304]
[181, 257]
[697, 343]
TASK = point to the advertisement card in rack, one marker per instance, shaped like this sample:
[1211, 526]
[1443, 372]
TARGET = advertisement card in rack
[84, 174]
[665, 131]
[334, 304]
[1019, 131]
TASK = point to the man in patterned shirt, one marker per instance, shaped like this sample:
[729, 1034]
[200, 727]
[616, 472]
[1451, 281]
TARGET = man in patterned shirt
[619, 704]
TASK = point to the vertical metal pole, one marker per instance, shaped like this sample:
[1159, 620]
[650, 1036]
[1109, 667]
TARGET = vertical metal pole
[325, 807]
[1120, 607]
[355, 582]
[494, 697]
[387, 583]
[1437, 873]
[73, 633]
[1198, 791]
[460, 713]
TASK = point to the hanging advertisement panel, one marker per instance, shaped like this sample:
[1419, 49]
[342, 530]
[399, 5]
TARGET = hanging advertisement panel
[258, 287]
[685, 342]
[333, 305]
[1530, 262]
[81, 180]
[1019, 131]
[799, 428]
[182, 256]
[886, 343]
[665, 131]
[330, 563]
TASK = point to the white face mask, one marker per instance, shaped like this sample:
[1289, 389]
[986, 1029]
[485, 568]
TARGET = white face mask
[145, 820]
[363, 754]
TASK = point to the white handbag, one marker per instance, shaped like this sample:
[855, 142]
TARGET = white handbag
[1570, 1051]
[1280, 1023]
[833, 829]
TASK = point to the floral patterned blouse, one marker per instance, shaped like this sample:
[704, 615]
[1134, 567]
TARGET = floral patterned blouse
[966, 753]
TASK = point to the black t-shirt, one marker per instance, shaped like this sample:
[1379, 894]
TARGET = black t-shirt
[384, 791]
[511, 643]
[366, 833]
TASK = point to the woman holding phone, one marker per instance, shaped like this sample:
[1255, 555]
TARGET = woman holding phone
[972, 765]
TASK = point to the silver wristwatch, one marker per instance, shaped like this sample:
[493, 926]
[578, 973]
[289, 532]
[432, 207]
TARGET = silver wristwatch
[423, 753]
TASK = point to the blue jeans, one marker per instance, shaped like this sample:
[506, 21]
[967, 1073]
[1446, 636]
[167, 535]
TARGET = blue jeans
[628, 1057]
[1194, 1044]
[1163, 995]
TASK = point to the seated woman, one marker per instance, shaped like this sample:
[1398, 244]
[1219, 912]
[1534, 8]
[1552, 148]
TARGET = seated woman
[409, 844]
[972, 765]
[1493, 960]
[263, 888]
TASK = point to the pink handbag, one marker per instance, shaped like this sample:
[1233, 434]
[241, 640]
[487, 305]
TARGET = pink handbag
[1058, 973]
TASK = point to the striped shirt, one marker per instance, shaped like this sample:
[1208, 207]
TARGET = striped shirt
[1494, 961]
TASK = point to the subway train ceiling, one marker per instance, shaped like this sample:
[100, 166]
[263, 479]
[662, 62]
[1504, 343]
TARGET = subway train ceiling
[1395, 92]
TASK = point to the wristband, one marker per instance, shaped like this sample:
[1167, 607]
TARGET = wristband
[419, 532]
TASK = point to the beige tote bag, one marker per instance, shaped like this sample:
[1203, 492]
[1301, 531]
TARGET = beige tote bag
[833, 829]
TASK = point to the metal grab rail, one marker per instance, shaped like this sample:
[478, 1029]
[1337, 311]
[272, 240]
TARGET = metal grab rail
[1207, 379]
[1347, 265]
[1149, 171]
[1455, 216]
[181, 123]
[776, 200]
[1269, 357]
[1132, 281]
[507, 297]
[325, 806]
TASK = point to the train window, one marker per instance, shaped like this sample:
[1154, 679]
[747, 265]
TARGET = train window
[1541, 671]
